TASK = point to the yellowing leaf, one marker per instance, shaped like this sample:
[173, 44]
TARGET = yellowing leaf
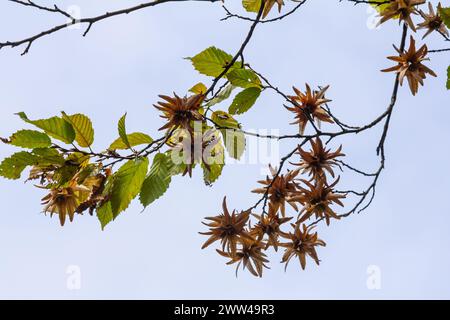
[30, 139]
[379, 7]
[445, 15]
[55, 127]
[134, 139]
[12, 167]
[251, 5]
[211, 62]
[216, 161]
[84, 132]
[199, 88]
[224, 119]
[234, 142]
[448, 78]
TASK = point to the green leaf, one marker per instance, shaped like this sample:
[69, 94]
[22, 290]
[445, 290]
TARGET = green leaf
[12, 167]
[445, 15]
[380, 7]
[199, 88]
[211, 62]
[175, 168]
[222, 96]
[134, 139]
[30, 139]
[127, 183]
[448, 78]
[244, 100]
[55, 127]
[216, 162]
[48, 156]
[251, 5]
[244, 78]
[123, 131]
[224, 120]
[84, 132]
[158, 181]
[104, 214]
[234, 140]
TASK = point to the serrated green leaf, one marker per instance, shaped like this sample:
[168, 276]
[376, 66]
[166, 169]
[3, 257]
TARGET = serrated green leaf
[30, 139]
[244, 100]
[445, 15]
[55, 127]
[216, 162]
[104, 214]
[211, 62]
[244, 78]
[134, 139]
[251, 5]
[48, 156]
[222, 96]
[84, 132]
[123, 131]
[12, 167]
[199, 88]
[234, 142]
[448, 78]
[158, 180]
[127, 183]
[380, 7]
[224, 120]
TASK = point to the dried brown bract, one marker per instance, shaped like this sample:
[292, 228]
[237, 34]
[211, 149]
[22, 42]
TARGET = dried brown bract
[64, 201]
[301, 243]
[250, 255]
[228, 228]
[308, 107]
[268, 225]
[196, 147]
[280, 189]
[410, 65]
[318, 160]
[269, 5]
[317, 199]
[401, 9]
[180, 112]
[432, 21]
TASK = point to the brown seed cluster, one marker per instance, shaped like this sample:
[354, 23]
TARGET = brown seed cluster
[304, 194]
[74, 187]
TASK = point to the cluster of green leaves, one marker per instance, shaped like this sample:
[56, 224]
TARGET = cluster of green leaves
[212, 62]
[132, 178]
[68, 129]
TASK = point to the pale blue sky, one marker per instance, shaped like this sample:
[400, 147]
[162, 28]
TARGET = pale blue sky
[125, 62]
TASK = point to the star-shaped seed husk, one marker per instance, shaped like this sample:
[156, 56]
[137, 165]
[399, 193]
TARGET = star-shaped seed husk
[280, 189]
[432, 21]
[301, 243]
[409, 65]
[180, 112]
[227, 228]
[401, 9]
[318, 159]
[308, 107]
